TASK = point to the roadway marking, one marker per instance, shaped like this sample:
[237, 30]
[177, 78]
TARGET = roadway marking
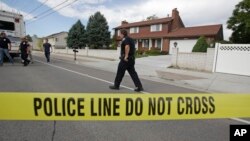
[86, 75]
[241, 120]
[102, 80]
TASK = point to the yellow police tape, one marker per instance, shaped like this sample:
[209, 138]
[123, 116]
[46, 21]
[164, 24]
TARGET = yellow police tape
[71, 106]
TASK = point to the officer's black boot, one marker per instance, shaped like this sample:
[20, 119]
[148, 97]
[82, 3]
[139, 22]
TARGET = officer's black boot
[138, 89]
[114, 87]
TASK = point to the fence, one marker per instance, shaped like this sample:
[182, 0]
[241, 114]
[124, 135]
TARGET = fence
[100, 53]
[225, 58]
[195, 61]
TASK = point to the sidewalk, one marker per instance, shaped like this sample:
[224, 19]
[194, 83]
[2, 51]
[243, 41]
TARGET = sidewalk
[155, 68]
[213, 82]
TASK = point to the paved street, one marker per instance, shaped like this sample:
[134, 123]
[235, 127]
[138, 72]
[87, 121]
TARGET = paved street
[65, 76]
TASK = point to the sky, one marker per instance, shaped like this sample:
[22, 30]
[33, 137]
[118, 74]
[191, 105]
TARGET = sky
[45, 17]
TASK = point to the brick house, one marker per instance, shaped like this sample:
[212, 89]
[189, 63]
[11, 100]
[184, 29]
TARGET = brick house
[161, 33]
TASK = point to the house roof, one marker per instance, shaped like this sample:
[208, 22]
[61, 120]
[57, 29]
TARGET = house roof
[208, 30]
[143, 23]
[55, 34]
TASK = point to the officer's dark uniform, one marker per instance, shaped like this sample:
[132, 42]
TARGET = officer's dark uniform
[47, 47]
[127, 65]
[24, 52]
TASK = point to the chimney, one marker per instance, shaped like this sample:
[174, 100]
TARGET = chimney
[175, 13]
[124, 22]
[177, 22]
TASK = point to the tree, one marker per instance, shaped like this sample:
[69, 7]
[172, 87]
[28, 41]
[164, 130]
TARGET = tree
[98, 31]
[77, 36]
[152, 17]
[239, 22]
[201, 45]
[29, 38]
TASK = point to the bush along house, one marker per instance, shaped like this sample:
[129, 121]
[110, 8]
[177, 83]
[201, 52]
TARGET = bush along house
[162, 33]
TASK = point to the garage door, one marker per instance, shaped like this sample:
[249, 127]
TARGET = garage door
[183, 45]
[233, 59]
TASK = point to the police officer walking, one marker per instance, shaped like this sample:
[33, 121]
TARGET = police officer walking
[46, 47]
[5, 46]
[24, 47]
[127, 62]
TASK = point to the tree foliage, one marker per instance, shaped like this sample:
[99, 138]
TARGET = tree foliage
[239, 22]
[29, 38]
[98, 31]
[201, 45]
[77, 36]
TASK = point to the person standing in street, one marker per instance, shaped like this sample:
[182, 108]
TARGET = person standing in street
[47, 49]
[24, 47]
[5, 46]
[127, 62]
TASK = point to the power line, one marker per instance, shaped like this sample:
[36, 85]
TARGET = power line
[53, 11]
[40, 5]
[53, 8]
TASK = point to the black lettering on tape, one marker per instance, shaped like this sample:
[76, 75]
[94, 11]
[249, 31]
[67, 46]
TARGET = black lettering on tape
[70, 103]
[37, 105]
[129, 106]
[80, 106]
[93, 113]
[48, 106]
[107, 107]
[197, 105]
[169, 99]
[63, 107]
[211, 102]
[138, 106]
[56, 108]
[151, 106]
[205, 106]
[116, 106]
[161, 106]
[180, 109]
[189, 109]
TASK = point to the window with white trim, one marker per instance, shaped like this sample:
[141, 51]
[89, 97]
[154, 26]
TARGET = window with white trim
[134, 30]
[156, 27]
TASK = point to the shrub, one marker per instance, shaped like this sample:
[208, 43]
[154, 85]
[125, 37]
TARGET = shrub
[201, 45]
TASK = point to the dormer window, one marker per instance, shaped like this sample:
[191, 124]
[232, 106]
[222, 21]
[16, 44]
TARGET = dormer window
[156, 27]
[134, 30]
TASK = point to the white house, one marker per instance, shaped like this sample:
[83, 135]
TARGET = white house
[58, 40]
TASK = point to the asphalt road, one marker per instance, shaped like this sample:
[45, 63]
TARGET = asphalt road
[59, 76]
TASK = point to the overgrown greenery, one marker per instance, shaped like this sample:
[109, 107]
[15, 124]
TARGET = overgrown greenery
[201, 45]
[152, 52]
[239, 22]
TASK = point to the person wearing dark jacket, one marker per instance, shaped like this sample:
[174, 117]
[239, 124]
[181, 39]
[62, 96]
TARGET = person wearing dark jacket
[5, 46]
[47, 49]
[24, 47]
[127, 62]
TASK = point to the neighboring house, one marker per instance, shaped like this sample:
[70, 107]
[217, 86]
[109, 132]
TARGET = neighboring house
[58, 40]
[163, 32]
[34, 42]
